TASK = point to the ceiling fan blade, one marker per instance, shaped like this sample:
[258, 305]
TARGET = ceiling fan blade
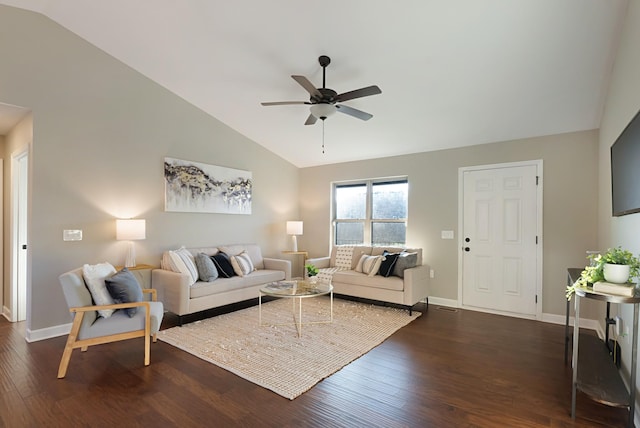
[358, 93]
[284, 103]
[311, 120]
[354, 112]
[306, 84]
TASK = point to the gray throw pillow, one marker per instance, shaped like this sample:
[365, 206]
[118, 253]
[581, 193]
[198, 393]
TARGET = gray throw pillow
[206, 269]
[405, 261]
[124, 288]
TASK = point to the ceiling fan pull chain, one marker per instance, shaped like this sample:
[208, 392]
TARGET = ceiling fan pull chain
[322, 136]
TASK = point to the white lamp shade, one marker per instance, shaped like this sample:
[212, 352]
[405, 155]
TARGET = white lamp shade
[130, 230]
[322, 111]
[294, 228]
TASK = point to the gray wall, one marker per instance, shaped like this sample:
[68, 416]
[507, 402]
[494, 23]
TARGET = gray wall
[101, 132]
[623, 102]
[569, 218]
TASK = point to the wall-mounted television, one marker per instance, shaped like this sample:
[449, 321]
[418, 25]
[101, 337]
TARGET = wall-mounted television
[625, 170]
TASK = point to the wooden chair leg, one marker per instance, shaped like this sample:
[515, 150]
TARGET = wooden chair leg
[147, 336]
[155, 338]
[68, 348]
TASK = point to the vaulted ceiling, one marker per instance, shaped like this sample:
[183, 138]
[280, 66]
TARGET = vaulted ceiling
[453, 73]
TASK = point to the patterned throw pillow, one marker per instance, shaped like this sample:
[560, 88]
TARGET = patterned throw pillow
[94, 277]
[344, 254]
[369, 264]
[242, 264]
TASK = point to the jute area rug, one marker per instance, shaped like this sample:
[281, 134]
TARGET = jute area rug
[273, 356]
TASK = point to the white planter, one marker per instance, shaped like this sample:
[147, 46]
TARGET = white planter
[618, 274]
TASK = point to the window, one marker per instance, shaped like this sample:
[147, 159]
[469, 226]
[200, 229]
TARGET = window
[371, 212]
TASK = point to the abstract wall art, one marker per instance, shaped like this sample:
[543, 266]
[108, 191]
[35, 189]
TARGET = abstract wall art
[198, 187]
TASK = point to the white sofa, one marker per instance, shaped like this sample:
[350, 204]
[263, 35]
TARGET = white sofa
[407, 290]
[182, 296]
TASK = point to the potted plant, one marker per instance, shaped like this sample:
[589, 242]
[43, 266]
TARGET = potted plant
[311, 270]
[616, 265]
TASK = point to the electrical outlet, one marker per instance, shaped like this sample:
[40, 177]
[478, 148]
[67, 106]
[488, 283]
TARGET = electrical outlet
[432, 273]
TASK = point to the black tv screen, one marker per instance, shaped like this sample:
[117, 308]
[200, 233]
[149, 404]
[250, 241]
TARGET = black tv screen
[625, 170]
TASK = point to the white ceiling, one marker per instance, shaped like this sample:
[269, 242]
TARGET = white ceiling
[453, 73]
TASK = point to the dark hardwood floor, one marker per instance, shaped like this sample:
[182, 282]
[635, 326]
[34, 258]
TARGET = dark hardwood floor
[446, 369]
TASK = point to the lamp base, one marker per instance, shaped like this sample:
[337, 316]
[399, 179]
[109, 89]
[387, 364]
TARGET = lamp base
[295, 242]
[130, 260]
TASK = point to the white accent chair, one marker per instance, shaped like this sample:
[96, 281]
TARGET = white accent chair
[90, 329]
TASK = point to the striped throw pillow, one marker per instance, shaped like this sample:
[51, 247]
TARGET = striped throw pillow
[242, 264]
[369, 264]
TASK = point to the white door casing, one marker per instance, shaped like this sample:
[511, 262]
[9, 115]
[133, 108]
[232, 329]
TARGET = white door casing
[500, 263]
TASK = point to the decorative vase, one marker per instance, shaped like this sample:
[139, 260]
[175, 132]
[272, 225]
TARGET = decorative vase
[618, 274]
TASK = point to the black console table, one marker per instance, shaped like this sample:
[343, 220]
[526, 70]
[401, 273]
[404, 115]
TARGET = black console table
[596, 374]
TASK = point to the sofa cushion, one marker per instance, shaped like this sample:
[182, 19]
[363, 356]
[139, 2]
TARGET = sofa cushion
[94, 278]
[325, 274]
[369, 264]
[405, 261]
[255, 254]
[223, 265]
[124, 288]
[355, 278]
[222, 285]
[207, 271]
[242, 264]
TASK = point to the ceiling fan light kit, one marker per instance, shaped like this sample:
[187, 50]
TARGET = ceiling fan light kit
[322, 111]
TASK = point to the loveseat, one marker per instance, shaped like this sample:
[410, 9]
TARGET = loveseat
[403, 280]
[186, 287]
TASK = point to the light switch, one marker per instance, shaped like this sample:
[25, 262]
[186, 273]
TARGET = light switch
[72, 235]
[447, 234]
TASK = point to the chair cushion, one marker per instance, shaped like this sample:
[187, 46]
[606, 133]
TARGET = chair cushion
[94, 277]
[124, 288]
[120, 322]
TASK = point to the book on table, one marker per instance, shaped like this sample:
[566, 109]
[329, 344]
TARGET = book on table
[627, 289]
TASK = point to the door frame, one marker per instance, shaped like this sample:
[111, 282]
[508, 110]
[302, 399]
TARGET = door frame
[19, 184]
[539, 268]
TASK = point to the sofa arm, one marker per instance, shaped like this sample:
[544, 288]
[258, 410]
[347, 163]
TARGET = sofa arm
[173, 290]
[278, 264]
[320, 262]
[416, 284]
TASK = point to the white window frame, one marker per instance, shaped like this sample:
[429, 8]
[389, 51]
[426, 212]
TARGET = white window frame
[368, 221]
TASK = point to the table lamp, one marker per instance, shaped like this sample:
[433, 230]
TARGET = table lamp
[294, 228]
[130, 230]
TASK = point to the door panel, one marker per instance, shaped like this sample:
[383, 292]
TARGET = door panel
[500, 223]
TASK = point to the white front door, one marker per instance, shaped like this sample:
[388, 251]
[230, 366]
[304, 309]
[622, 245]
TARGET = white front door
[499, 239]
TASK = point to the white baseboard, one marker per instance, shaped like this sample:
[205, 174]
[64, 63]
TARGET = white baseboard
[6, 312]
[439, 301]
[550, 318]
[47, 333]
